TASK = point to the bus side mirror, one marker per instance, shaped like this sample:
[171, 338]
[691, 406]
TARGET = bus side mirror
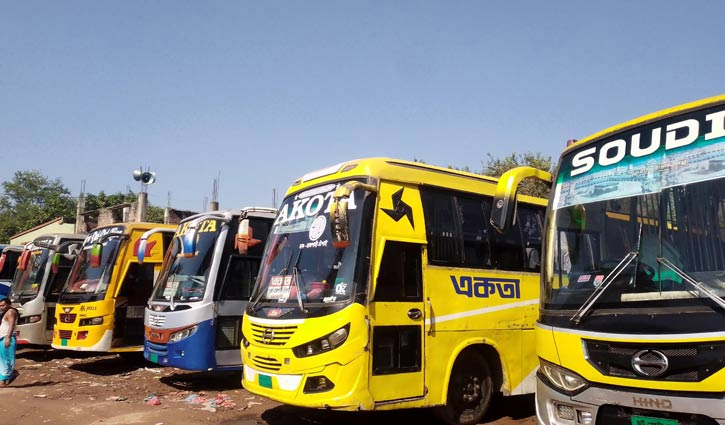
[55, 264]
[24, 260]
[96, 253]
[2, 261]
[245, 237]
[340, 226]
[339, 223]
[504, 200]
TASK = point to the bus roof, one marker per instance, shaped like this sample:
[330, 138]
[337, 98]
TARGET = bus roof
[402, 171]
[654, 116]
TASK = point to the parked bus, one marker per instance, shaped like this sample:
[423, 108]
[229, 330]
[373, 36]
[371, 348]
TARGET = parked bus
[383, 287]
[43, 268]
[193, 319]
[101, 306]
[8, 266]
[632, 322]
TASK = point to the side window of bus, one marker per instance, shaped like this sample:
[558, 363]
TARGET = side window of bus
[475, 231]
[239, 277]
[508, 252]
[530, 222]
[444, 239]
[400, 273]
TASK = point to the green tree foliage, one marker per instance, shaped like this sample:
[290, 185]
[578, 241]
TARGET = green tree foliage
[495, 167]
[154, 214]
[30, 199]
[102, 200]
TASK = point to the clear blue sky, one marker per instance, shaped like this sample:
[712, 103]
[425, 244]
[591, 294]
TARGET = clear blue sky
[261, 92]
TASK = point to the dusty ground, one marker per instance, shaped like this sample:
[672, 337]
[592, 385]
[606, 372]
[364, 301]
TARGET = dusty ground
[67, 388]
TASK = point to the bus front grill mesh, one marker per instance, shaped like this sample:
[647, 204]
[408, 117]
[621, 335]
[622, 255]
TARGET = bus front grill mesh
[266, 363]
[272, 334]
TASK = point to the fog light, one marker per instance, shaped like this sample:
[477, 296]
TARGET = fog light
[82, 335]
[565, 412]
[585, 417]
[317, 384]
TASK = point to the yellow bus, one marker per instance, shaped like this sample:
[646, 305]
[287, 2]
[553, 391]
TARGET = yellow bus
[632, 317]
[101, 307]
[383, 286]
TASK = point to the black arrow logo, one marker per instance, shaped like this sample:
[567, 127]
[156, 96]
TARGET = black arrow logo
[400, 208]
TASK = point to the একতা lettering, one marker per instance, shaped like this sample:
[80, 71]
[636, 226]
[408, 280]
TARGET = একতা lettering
[208, 225]
[484, 287]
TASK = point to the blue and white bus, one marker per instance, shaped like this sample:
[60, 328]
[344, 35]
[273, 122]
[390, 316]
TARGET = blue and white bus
[193, 318]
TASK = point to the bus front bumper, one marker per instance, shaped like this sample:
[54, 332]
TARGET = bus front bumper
[333, 386]
[607, 406]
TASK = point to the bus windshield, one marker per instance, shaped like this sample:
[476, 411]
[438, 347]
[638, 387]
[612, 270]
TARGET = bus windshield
[300, 264]
[185, 279]
[641, 225]
[87, 283]
[28, 282]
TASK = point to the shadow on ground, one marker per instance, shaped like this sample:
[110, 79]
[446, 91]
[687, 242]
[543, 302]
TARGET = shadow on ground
[110, 364]
[42, 354]
[204, 381]
[518, 407]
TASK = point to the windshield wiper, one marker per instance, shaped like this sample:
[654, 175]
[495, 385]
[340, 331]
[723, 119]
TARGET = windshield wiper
[295, 275]
[607, 282]
[611, 277]
[689, 279]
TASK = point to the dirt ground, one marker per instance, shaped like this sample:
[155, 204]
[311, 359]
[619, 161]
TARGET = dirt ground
[64, 388]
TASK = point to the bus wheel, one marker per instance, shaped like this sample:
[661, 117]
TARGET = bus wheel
[469, 390]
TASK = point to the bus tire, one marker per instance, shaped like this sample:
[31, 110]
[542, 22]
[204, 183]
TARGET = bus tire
[469, 390]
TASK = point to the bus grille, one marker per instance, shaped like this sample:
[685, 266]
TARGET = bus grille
[686, 362]
[266, 363]
[272, 335]
[619, 415]
[65, 334]
[156, 320]
[67, 318]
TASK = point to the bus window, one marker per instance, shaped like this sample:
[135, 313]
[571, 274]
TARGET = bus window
[530, 223]
[474, 229]
[400, 273]
[239, 278]
[508, 251]
[441, 227]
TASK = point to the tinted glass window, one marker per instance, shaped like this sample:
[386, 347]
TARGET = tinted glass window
[400, 273]
[444, 238]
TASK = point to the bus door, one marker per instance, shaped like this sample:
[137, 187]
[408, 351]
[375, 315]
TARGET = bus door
[238, 274]
[134, 293]
[54, 286]
[398, 323]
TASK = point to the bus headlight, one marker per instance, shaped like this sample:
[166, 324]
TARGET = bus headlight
[184, 333]
[91, 321]
[562, 378]
[29, 319]
[326, 343]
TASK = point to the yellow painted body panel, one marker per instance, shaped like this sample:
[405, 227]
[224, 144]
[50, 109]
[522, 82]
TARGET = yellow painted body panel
[100, 338]
[497, 314]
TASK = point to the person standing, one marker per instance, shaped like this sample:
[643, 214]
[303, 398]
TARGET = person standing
[7, 342]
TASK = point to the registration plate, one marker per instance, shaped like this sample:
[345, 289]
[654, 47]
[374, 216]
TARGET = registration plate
[154, 357]
[648, 420]
[265, 381]
[64, 342]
